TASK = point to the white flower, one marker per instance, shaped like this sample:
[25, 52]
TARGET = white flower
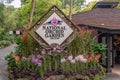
[63, 60]
[54, 49]
[77, 58]
[84, 60]
[70, 57]
[72, 61]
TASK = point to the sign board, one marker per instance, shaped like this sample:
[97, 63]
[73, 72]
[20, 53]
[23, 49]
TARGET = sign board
[54, 28]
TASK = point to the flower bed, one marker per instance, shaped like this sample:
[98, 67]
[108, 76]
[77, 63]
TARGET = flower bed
[79, 60]
[90, 74]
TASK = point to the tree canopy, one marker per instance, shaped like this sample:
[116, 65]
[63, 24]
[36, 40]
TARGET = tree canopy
[90, 6]
[76, 6]
[41, 6]
[7, 20]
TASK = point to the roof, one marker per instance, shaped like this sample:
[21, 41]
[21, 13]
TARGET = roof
[99, 17]
[106, 4]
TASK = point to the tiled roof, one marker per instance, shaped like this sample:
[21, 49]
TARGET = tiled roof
[108, 18]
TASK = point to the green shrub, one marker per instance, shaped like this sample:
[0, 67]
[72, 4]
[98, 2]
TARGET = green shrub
[9, 38]
[4, 43]
[10, 60]
[100, 48]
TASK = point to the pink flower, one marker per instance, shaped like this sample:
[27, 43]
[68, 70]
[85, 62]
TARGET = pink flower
[83, 60]
[70, 57]
[63, 60]
[54, 49]
[39, 64]
[84, 28]
[50, 52]
[65, 51]
[39, 56]
[58, 47]
[36, 49]
[43, 52]
[79, 57]
[58, 51]
[72, 61]
[91, 31]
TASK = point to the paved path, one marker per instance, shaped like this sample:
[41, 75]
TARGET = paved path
[3, 66]
[115, 73]
[112, 77]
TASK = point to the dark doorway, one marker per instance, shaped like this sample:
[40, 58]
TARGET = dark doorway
[117, 49]
[116, 55]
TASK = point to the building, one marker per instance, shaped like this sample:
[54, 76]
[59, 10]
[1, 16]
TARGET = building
[2, 1]
[105, 19]
[6, 1]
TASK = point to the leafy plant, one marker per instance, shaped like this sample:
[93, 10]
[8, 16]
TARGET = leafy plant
[11, 61]
[9, 38]
[4, 43]
[100, 48]
[18, 40]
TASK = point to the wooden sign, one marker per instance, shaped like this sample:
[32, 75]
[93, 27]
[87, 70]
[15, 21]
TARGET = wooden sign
[54, 28]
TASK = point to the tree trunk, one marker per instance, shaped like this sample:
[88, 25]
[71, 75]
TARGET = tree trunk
[70, 12]
[31, 13]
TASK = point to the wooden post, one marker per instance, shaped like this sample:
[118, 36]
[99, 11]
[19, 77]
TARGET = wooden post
[31, 13]
[108, 59]
[70, 12]
[113, 51]
[99, 38]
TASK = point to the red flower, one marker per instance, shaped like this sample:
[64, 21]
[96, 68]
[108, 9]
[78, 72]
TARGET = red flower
[98, 56]
[84, 28]
[91, 31]
[25, 37]
[91, 57]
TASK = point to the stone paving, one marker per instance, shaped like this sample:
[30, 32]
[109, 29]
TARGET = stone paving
[115, 73]
[4, 73]
[112, 77]
[3, 66]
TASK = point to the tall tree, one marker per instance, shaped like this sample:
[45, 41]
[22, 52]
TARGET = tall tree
[10, 21]
[41, 6]
[23, 2]
[1, 20]
[76, 6]
[1, 15]
[90, 6]
[76, 3]
[31, 13]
